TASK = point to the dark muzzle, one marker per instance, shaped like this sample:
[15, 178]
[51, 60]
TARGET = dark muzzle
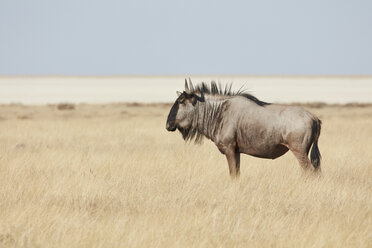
[171, 125]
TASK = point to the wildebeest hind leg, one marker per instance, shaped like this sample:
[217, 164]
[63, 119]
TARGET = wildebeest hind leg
[303, 160]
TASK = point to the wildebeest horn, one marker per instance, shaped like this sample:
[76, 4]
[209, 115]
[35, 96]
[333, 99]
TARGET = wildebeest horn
[191, 86]
[186, 87]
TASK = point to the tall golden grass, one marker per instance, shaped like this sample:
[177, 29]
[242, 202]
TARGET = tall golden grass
[112, 176]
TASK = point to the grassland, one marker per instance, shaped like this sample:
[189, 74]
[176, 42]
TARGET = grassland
[112, 176]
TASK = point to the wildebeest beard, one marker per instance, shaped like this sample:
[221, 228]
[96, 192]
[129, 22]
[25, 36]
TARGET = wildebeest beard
[188, 134]
[184, 131]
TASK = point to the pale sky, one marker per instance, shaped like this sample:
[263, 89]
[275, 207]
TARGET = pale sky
[171, 37]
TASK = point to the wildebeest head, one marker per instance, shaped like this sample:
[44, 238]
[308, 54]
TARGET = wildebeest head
[183, 109]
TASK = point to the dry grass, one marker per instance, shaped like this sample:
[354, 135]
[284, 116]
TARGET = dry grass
[111, 176]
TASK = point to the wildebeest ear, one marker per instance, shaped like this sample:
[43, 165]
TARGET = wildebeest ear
[178, 93]
[199, 98]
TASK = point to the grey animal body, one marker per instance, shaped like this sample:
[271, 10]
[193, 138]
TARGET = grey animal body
[240, 123]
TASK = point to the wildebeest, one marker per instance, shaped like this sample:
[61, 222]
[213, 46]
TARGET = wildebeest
[238, 122]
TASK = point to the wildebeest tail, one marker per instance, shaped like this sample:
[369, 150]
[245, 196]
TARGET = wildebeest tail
[315, 156]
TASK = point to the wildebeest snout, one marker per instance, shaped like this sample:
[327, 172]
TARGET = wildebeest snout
[170, 127]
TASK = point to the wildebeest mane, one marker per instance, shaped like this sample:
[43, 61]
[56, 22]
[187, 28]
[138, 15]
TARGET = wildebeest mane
[217, 89]
[212, 112]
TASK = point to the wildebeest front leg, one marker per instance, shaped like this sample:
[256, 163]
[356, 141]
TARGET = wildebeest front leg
[233, 158]
[233, 165]
[237, 163]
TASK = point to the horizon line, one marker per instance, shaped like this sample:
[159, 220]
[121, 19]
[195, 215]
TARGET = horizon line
[189, 75]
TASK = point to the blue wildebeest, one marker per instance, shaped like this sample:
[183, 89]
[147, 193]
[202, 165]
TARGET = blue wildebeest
[238, 122]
